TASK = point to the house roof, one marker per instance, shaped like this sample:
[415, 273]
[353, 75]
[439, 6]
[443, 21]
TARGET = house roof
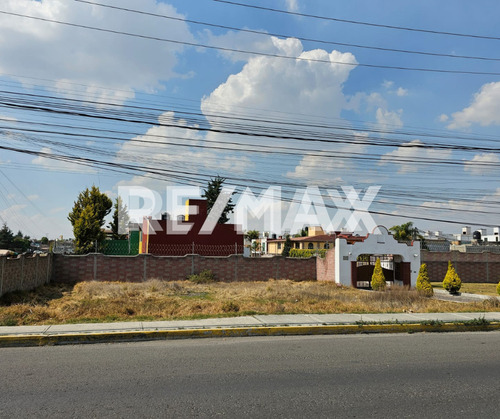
[323, 238]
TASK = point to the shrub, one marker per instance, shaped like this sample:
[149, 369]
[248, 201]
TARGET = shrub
[378, 278]
[423, 282]
[307, 253]
[498, 288]
[204, 277]
[452, 282]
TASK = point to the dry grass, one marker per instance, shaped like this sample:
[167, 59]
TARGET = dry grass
[483, 289]
[157, 300]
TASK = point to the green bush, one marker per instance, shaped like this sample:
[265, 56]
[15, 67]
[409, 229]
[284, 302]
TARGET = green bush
[423, 282]
[204, 277]
[307, 253]
[498, 288]
[452, 282]
[378, 278]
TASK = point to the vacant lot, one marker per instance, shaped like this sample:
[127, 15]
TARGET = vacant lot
[157, 300]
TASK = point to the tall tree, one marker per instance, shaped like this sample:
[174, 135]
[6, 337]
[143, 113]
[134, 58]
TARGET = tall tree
[214, 188]
[120, 220]
[87, 219]
[6, 237]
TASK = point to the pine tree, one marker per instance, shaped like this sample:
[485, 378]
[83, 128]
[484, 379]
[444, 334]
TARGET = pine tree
[87, 219]
[452, 282]
[286, 248]
[378, 278]
[423, 282]
[6, 238]
[120, 220]
[214, 188]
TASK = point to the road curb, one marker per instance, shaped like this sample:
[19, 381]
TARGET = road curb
[134, 336]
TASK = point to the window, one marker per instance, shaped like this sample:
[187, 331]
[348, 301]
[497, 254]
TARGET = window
[310, 246]
[297, 245]
[279, 246]
[327, 245]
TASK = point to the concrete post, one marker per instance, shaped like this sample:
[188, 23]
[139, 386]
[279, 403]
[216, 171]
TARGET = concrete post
[22, 271]
[236, 268]
[49, 261]
[2, 276]
[487, 267]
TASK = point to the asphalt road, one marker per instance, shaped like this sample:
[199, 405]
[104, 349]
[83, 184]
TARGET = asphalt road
[422, 375]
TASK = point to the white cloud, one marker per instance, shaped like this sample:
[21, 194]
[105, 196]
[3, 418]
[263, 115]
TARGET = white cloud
[443, 118]
[483, 109]
[389, 120]
[482, 164]
[292, 88]
[292, 5]
[120, 63]
[60, 165]
[401, 92]
[412, 152]
[177, 149]
[33, 197]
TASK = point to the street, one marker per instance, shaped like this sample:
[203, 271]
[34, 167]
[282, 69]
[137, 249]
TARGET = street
[411, 375]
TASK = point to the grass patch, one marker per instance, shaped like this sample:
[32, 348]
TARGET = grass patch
[91, 302]
[481, 288]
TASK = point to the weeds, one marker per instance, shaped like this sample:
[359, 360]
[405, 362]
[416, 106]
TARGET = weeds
[161, 300]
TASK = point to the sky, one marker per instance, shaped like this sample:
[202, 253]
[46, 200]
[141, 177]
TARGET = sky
[289, 93]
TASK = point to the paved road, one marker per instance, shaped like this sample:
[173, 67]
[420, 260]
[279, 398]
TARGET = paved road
[422, 375]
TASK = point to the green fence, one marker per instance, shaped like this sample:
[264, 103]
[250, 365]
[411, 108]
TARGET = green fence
[123, 247]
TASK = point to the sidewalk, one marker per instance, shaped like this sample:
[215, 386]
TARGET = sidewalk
[257, 325]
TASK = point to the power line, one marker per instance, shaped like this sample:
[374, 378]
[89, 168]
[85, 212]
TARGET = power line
[301, 38]
[262, 54]
[357, 22]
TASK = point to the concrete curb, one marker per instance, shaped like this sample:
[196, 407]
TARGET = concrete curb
[109, 337]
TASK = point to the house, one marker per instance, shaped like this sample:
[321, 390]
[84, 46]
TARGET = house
[180, 237]
[316, 239]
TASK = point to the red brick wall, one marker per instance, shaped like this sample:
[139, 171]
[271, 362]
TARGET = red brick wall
[471, 267]
[326, 267]
[24, 273]
[177, 268]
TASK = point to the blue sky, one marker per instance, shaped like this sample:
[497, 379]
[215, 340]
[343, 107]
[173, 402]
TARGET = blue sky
[385, 122]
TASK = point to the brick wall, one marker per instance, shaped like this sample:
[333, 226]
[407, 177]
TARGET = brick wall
[138, 268]
[471, 267]
[325, 267]
[24, 273]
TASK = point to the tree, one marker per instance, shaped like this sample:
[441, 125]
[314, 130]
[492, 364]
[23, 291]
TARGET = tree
[255, 247]
[405, 232]
[214, 188]
[287, 247]
[378, 278]
[44, 240]
[423, 282]
[452, 282]
[252, 235]
[6, 238]
[120, 220]
[87, 219]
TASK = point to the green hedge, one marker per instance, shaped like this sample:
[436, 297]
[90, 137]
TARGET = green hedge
[307, 253]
